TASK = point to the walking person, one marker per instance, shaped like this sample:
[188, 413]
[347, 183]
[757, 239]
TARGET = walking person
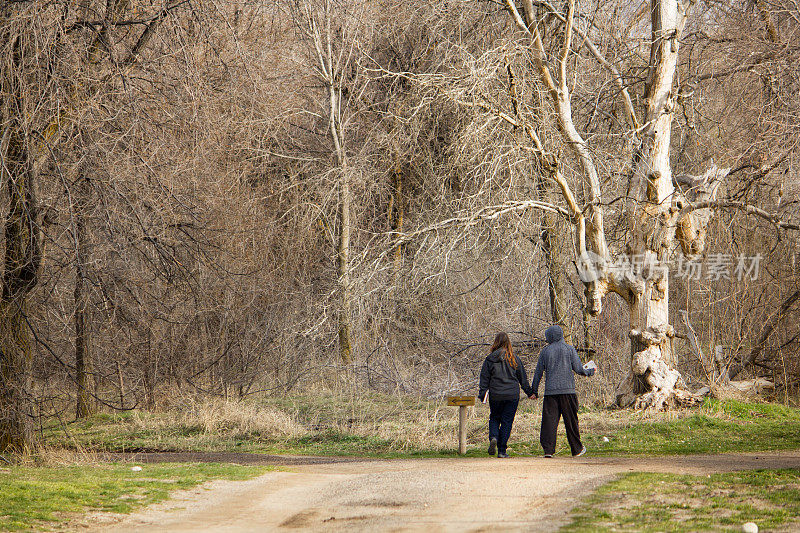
[558, 361]
[502, 374]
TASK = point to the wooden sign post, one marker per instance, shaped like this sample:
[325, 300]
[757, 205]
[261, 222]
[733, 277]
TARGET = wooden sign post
[462, 402]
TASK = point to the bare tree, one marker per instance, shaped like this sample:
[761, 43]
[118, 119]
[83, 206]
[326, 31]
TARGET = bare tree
[82, 200]
[661, 212]
[23, 239]
[42, 109]
[331, 33]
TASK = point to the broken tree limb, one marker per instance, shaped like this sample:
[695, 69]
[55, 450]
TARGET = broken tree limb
[486, 213]
[766, 331]
[714, 365]
[747, 208]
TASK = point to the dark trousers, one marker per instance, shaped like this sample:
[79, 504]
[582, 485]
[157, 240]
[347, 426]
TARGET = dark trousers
[501, 418]
[554, 407]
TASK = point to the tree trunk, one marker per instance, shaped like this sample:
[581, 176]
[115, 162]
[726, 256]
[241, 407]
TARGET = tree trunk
[653, 379]
[16, 406]
[553, 242]
[588, 340]
[82, 339]
[318, 27]
[345, 350]
[21, 265]
[399, 216]
[655, 213]
[555, 251]
[343, 255]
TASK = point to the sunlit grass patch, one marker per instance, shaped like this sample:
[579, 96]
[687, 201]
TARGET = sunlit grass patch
[717, 427]
[42, 497]
[670, 502]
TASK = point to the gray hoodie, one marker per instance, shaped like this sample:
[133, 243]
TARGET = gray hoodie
[558, 360]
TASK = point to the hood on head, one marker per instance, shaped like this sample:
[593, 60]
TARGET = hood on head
[553, 334]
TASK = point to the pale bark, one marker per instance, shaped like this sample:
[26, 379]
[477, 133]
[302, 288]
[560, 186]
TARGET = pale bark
[653, 378]
[553, 243]
[654, 210]
[399, 218]
[328, 67]
[588, 222]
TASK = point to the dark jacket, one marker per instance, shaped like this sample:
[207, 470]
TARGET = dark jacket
[500, 379]
[558, 360]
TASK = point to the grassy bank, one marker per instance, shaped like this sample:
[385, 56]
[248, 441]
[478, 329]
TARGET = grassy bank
[716, 502]
[393, 426]
[42, 497]
[716, 427]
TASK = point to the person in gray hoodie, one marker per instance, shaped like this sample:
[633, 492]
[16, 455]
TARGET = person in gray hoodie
[558, 361]
[502, 374]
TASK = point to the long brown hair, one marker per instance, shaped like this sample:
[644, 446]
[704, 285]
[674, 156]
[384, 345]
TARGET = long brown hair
[501, 340]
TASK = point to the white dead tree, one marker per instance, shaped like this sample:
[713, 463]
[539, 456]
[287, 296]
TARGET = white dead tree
[661, 211]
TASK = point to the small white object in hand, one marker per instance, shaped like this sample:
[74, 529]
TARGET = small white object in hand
[750, 527]
[605, 439]
[136, 468]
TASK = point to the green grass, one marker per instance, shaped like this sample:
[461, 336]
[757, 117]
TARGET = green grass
[670, 502]
[390, 426]
[716, 427]
[719, 426]
[42, 497]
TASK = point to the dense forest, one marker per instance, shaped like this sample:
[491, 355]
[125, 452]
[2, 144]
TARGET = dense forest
[248, 197]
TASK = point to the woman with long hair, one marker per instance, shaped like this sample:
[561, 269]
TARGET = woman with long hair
[502, 375]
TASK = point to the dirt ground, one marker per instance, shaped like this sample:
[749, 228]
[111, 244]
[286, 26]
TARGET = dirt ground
[330, 494]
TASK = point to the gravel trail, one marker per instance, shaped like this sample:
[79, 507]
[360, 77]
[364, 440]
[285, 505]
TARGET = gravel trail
[517, 494]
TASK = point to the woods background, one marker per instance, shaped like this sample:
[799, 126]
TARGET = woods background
[242, 197]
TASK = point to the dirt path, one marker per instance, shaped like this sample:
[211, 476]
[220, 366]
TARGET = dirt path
[518, 494]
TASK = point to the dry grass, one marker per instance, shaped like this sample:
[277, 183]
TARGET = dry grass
[54, 456]
[235, 420]
[332, 423]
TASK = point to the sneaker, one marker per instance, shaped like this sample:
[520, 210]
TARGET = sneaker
[583, 451]
[502, 455]
[492, 446]
[548, 456]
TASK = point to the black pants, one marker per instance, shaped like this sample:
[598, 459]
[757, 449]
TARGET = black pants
[554, 407]
[501, 418]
